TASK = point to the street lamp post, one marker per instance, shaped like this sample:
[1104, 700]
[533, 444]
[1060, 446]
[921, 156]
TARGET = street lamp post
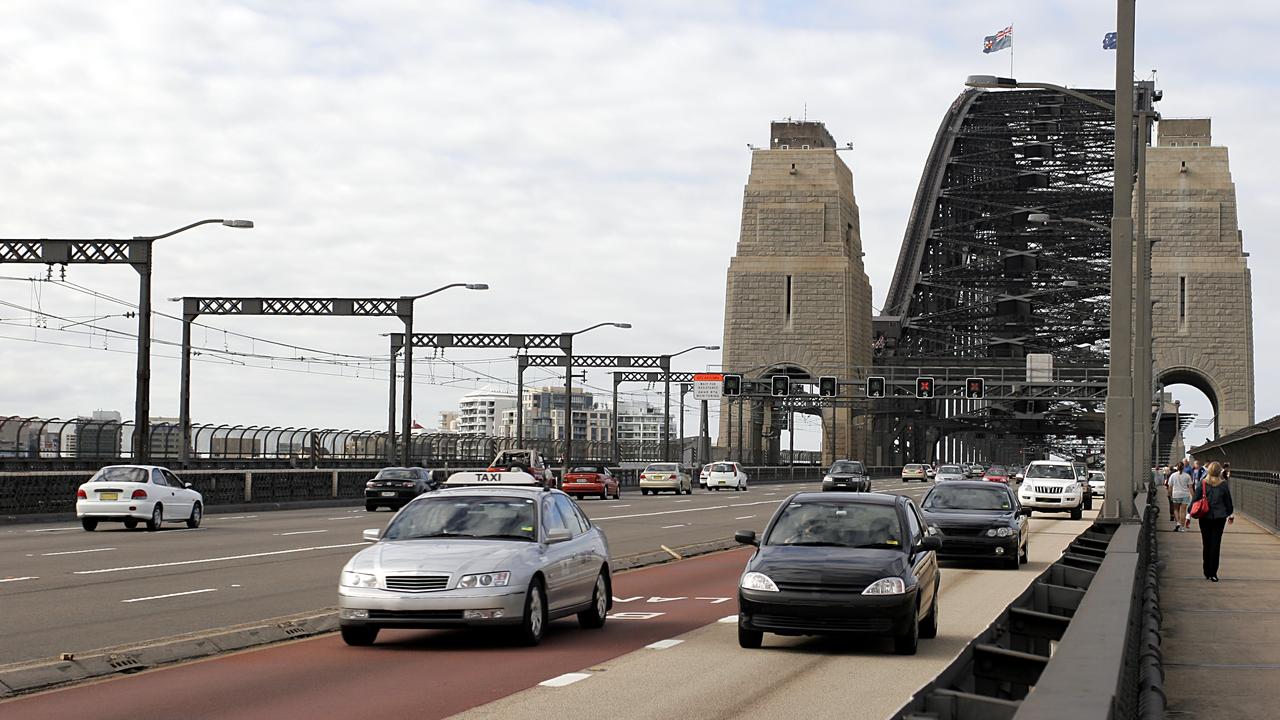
[568, 387]
[666, 394]
[407, 317]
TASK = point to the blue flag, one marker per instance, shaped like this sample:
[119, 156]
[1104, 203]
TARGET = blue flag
[1109, 41]
[999, 41]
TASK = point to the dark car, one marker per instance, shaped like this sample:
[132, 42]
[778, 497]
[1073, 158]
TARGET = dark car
[584, 480]
[836, 563]
[394, 487]
[848, 475]
[978, 519]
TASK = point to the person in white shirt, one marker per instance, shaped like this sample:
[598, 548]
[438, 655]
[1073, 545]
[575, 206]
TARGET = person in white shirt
[1179, 495]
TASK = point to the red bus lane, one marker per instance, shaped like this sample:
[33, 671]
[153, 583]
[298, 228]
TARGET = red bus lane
[419, 674]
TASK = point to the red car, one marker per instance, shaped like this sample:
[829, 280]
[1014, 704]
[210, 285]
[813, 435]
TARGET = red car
[586, 480]
[996, 473]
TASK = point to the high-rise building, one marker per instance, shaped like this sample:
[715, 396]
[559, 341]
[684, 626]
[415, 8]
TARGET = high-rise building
[639, 423]
[480, 412]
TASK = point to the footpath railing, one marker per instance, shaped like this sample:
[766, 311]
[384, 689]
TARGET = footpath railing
[1256, 493]
[1081, 643]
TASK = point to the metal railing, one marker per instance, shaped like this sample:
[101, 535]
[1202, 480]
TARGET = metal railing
[1256, 493]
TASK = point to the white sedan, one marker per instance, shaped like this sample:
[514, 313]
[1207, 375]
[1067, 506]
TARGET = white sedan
[137, 493]
[727, 475]
[950, 473]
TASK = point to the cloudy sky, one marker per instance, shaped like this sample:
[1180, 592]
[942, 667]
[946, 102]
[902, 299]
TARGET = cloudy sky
[586, 159]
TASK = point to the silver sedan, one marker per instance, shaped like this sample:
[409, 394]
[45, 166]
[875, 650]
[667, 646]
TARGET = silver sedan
[478, 556]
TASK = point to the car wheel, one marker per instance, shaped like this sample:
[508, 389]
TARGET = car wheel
[88, 524]
[643, 491]
[929, 629]
[130, 524]
[1077, 513]
[197, 514]
[904, 479]
[749, 639]
[157, 515]
[1025, 557]
[908, 642]
[535, 615]
[595, 616]
[359, 635]
[689, 491]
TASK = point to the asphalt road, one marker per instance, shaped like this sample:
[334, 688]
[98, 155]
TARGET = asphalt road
[665, 652]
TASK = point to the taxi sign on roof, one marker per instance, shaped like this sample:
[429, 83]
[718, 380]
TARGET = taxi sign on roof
[490, 478]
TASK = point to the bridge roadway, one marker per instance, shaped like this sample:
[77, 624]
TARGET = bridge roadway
[67, 590]
[669, 650]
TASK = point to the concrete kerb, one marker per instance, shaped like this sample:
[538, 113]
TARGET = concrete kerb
[28, 677]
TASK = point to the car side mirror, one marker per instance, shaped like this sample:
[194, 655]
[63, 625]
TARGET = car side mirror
[372, 535]
[929, 542]
[747, 537]
[558, 535]
[186, 485]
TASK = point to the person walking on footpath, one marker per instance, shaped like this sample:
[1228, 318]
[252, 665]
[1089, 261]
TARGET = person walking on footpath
[1221, 513]
[1168, 489]
[1179, 496]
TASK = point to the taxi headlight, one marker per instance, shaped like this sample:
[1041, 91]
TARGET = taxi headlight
[485, 580]
[886, 586]
[757, 581]
[1000, 532]
[359, 580]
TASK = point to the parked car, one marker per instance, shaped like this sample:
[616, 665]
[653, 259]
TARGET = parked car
[665, 476]
[727, 475]
[835, 563]
[586, 480]
[131, 494]
[996, 473]
[510, 553]
[1098, 482]
[976, 519]
[703, 475]
[949, 473]
[914, 471]
[850, 475]
[394, 487]
[1051, 486]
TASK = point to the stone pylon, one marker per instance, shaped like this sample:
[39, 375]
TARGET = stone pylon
[1202, 320]
[798, 300]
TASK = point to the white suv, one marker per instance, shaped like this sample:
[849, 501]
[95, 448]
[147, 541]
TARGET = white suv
[1051, 486]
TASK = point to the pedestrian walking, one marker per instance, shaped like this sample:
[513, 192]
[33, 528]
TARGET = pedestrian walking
[1221, 513]
[1179, 496]
[1168, 489]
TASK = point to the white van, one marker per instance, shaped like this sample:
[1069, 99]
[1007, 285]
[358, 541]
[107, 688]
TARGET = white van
[1051, 486]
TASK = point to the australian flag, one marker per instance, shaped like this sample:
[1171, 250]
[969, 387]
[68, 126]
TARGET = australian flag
[999, 41]
[1109, 41]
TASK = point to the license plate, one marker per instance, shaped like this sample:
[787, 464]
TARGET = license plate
[108, 496]
[724, 482]
[388, 494]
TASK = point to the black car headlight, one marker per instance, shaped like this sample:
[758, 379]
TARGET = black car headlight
[757, 581]
[1003, 531]
[886, 586]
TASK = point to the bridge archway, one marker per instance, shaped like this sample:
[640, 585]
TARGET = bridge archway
[1198, 397]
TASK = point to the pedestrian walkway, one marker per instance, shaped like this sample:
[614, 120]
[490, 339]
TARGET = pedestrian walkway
[1221, 640]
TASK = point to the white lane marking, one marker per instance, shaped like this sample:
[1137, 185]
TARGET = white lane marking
[618, 506]
[348, 517]
[663, 644]
[728, 619]
[565, 679]
[161, 597]
[235, 586]
[744, 517]
[217, 559]
[770, 494]
[714, 600]
[75, 552]
[635, 615]
[662, 512]
[16, 579]
[629, 599]
[684, 501]
[299, 532]
[53, 529]
[239, 517]
[668, 527]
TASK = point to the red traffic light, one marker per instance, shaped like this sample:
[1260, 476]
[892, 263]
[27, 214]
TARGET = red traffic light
[924, 387]
[975, 388]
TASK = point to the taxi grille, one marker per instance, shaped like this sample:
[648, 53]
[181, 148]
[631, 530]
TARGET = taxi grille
[417, 583]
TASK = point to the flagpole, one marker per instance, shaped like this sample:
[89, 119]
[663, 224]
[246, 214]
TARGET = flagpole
[1011, 51]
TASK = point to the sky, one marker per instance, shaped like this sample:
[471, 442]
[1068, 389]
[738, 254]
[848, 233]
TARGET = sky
[585, 159]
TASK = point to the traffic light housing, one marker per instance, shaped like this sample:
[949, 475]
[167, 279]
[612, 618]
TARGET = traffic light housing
[781, 385]
[731, 386]
[975, 388]
[828, 386]
[924, 387]
[875, 386]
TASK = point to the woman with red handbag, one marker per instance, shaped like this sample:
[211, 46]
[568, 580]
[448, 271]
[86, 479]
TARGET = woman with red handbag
[1211, 505]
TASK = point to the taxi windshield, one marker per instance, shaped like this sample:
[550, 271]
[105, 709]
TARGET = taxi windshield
[950, 497]
[837, 524]
[505, 518]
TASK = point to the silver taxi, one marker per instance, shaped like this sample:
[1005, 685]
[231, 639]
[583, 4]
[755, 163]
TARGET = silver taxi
[487, 549]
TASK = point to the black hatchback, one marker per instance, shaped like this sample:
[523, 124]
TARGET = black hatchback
[835, 563]
[977, 519]
[394, 487]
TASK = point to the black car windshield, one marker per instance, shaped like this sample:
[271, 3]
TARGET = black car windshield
[1051, 472]
[466, 517]
[846, 467]
[120, 475]
[950, 497]
[587, 469]
[837, 524]
[395, 474]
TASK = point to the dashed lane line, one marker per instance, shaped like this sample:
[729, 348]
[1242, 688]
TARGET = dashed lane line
[565, 679]
[177, 594]
[16, 579]
[217, 559]
[744, 517]
[300, 532]
[663, 644]
[668, 527]
[75, 552]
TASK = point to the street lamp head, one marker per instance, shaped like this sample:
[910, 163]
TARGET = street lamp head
[990, 81]
[238, 223]
[624, 326]
[477, 286]
[710, 347]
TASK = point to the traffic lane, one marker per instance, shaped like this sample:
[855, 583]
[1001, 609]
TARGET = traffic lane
[707, 676]
[421, 674]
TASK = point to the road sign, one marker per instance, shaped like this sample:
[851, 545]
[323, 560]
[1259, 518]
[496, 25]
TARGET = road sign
[706, 386]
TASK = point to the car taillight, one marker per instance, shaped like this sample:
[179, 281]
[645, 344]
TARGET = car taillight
[406, 484]
[139, 494]
[81, 494]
